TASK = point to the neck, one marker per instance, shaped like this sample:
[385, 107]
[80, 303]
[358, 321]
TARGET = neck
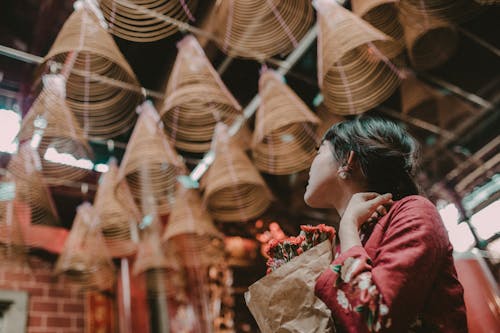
[346, 196]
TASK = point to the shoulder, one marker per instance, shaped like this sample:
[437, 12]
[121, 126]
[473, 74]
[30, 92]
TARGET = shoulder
[417, 214]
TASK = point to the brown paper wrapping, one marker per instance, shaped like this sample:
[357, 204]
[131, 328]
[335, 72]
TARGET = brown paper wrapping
[284, 300]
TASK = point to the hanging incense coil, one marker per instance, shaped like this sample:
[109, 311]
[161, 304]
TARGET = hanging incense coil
[285, 138]
[353, 74]
[12, 245]
[452, 111]
[488, 2]
[84, 258]
[328, 119]
[196, 99]
[150, 164]
[103, 110]
[119, 217]
[30, 186]
[430, 40]
[190, 234]
[383, 15]
[234, 189]
[419, 100]
[127, 22]
[261, 28]
[149, 251]
[51, 123]
[448, 10]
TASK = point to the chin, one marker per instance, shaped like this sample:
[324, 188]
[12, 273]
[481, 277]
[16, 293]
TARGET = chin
[310, 200]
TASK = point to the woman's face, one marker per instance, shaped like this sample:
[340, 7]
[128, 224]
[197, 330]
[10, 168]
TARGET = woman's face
[323, 179]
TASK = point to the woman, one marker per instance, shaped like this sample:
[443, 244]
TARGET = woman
[394, 271]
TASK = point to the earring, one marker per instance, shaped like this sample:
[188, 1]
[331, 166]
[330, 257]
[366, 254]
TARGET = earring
[344, 172]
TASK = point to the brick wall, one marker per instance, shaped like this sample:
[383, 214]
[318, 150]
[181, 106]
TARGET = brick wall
[55, 305]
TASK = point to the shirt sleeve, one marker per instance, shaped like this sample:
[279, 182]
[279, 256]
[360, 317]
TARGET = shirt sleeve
[383, 294]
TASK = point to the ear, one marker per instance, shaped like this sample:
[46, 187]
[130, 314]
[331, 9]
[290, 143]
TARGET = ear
[350, 160]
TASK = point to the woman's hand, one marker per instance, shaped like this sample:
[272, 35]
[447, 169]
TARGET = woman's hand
[362, 208]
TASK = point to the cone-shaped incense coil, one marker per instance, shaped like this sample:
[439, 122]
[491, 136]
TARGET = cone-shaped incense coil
[102, 109]
[51, 124]
[85, 258]
[31, 187]
[150, 165]
[12, 246]
[234, 189]
[383, 15]
[149, 252]
[190, 234]
[449, 10]
[119, 217]
[261, 28]
[285, 138]
[353, 73]
[328, 119]
[452, 111]
[430, 40]
[196, 99]
[419, 100]
[127, 22]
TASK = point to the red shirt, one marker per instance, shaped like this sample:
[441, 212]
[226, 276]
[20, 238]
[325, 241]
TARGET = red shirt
[401, 280]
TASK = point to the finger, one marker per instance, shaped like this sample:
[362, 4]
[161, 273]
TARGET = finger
[380, 200]
[381, 210]
[374, 216]
[369, 195]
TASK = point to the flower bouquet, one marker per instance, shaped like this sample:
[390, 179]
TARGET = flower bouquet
[284, 300]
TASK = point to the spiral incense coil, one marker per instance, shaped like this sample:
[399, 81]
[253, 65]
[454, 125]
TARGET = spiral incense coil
[84, 258]
[430, 40]
[261, 28]
[31, 187]
[50, 120]
[196, 99]
[149, 251]
[190, 233]
[328, 119]
[455, 11]
[150, 164]
[125, 21]
[118, 222]
[419, 100]
[452, 111]
[383, 15]
[234, 189]
[103, 110]
[352, 72]
[285, 138]
[12, 246]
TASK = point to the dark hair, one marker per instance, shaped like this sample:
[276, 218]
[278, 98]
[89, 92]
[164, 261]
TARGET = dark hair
[385, 152]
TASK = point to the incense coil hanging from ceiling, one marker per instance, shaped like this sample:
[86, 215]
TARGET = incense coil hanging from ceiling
[12, 238]
[30, 186]
[51, 126]
[150, 255]
[126, 21]
[454, 11]
[284, 139]
[150, 164]
[383, 15]
[196, 98]
[261, 28]
[84, 258]
[190, 234]
[103, 109]
[328, 119]
[118, 214]
[430, 40]
[353, 74]
[233, 188]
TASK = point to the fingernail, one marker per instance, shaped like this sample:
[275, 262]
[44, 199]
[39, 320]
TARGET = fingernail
[388, 195]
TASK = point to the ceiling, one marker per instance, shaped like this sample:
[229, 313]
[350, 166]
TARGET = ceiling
[31, 26]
